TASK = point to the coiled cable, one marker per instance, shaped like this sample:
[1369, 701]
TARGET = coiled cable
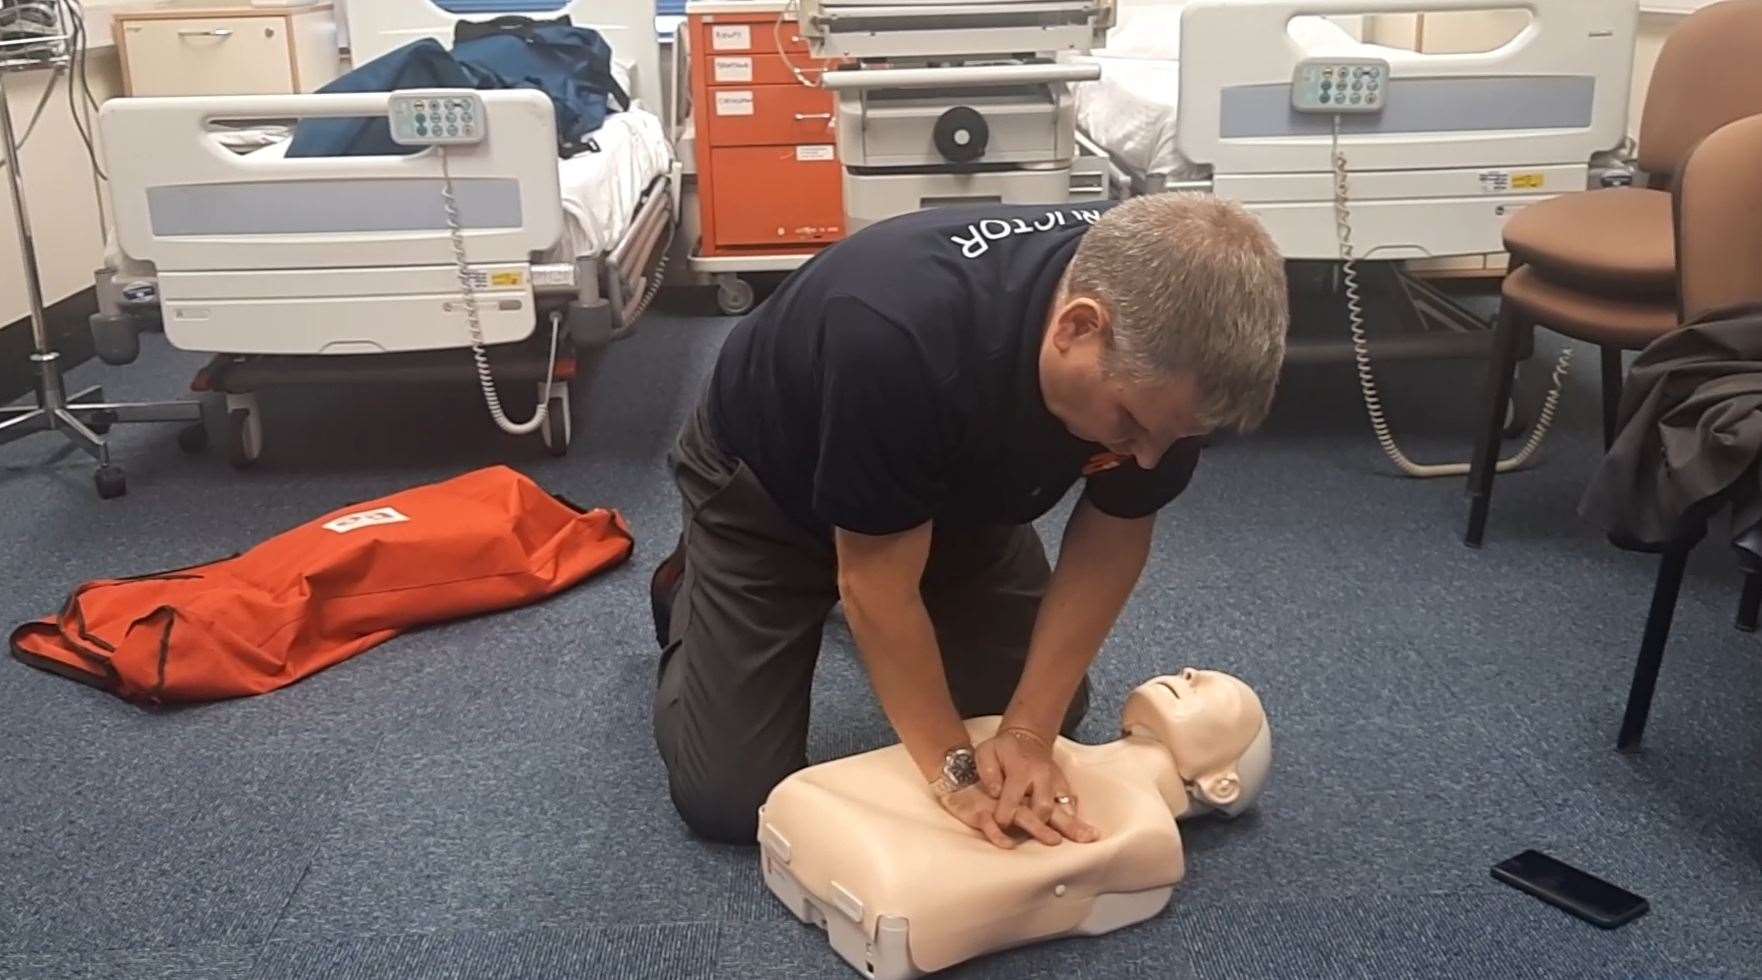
[1367, 381]
[479, 352]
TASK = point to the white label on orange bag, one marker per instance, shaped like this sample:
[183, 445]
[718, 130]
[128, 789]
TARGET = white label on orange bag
[811, 153]
[734, 69]
[737, 103]
[366, 518]
[731, 37]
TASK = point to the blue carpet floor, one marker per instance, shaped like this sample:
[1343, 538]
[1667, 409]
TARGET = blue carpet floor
[482, 799]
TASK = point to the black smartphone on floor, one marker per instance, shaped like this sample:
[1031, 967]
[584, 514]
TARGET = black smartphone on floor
[1583, 894]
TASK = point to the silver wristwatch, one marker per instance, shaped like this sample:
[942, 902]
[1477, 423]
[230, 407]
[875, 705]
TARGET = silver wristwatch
[960, 769]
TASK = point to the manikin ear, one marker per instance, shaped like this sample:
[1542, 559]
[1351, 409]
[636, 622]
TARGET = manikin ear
[1220, 788]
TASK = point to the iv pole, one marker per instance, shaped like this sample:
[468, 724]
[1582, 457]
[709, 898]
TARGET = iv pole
[78, 416]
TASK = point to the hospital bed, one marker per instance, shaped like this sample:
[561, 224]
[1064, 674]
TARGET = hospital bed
[1198, 96]
[347, 269]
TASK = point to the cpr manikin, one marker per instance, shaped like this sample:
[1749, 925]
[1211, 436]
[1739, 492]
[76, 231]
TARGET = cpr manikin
[860, 846]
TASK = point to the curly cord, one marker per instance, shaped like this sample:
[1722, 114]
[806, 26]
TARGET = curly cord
[642, 305]
[793, 6]
[658, 276]
[1367, 381]
[468, 291]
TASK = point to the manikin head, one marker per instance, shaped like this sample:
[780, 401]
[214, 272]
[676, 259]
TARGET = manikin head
[1169, 323]
[1214, 727]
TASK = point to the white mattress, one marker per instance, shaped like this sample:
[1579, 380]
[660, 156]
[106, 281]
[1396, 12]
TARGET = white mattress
[1130, 112]
[600, 190]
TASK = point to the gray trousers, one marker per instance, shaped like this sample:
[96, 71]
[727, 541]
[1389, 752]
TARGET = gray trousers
[731, 703]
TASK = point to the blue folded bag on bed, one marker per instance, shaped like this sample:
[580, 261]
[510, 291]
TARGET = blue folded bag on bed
[572, 65]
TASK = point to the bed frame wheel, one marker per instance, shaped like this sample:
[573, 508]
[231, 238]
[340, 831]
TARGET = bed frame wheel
[559, 427]
[244, 430]
[734, 295]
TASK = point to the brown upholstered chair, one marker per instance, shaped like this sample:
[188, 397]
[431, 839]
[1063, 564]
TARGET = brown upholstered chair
[1600, 265]
[1718, 218]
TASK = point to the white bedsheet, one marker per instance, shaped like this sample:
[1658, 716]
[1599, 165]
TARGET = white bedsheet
[1130, 112]
[600, 190]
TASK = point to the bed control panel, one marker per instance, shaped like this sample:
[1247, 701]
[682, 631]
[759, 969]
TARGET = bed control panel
[1330, 85]
[438, 117]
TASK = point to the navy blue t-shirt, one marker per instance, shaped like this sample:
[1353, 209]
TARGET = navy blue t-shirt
[894, 379]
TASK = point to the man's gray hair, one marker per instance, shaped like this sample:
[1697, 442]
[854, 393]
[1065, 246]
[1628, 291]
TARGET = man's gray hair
[1192, 283]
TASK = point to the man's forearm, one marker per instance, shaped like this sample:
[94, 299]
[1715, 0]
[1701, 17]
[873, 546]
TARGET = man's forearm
[1098, 566]
[898, 643]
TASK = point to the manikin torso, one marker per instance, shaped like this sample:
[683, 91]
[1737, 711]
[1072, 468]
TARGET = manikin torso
[860, 846]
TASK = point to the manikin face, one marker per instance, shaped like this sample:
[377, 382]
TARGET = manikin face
[1208, 720]
[1137, 419]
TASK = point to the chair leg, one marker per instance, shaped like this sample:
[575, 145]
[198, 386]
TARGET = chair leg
[1664, 593]
[1611, 393]
[1501, 362]
[1751, 604]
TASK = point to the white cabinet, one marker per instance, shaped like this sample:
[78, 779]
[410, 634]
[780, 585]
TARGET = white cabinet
[190, 49]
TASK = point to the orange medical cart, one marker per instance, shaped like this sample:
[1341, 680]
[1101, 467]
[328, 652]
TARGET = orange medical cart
[770, 187]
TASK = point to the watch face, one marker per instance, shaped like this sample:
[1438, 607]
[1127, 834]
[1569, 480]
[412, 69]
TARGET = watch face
[962, 769]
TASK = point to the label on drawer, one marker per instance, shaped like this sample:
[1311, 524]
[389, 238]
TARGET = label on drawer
[731, 37]
[734, 69]
[808, 154]
[737, 103]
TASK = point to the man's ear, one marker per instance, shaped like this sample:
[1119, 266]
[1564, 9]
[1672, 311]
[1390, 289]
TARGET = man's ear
[1079, 318]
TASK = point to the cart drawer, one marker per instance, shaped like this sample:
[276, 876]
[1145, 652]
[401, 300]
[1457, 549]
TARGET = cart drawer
[777, 195]
[739, 35]
[761, 69]
[756, 115]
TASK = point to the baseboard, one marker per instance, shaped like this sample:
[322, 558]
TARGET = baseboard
[70, 333]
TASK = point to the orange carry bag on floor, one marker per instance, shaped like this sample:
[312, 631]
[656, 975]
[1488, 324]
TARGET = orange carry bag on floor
[325, 591]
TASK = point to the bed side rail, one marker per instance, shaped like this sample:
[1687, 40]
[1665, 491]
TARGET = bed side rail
[1556, 93]
[186, 203]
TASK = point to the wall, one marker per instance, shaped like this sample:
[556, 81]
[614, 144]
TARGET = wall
[59, 191]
